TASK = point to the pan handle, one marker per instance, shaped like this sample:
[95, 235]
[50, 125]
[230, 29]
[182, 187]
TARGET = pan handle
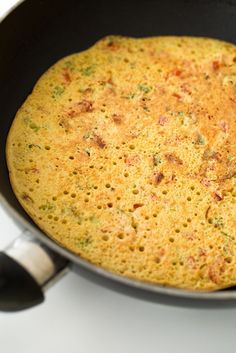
[27, 269]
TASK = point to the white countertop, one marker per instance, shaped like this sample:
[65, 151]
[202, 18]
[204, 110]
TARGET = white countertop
[81, 317]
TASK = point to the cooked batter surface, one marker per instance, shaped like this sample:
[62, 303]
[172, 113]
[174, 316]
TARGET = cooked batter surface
[125, 154]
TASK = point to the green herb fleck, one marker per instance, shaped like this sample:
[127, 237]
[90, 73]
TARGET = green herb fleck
[156, 159]
[226, 235]
[26, 197]
[134, 224]
[200, 140]
[87, 135]
[144, 88]
[218, 222]
[69, 65]
[58, 91]
[121, 211]
[84, 243]
[87, 71]
[129, 96]
[47, 207]
[31, 124]
[88, 152]
[93, 219]
[34, 127]
[33, 145]
[26, 120]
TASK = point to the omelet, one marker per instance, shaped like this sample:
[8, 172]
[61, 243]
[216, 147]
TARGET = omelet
[125, 155]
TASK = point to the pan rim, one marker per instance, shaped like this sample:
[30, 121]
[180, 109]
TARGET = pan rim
[10, 9]
[218, 296]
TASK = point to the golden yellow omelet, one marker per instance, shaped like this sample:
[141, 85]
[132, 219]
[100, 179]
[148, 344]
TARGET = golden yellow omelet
[125, 154]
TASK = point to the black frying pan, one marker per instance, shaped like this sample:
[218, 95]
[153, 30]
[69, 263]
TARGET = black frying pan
[32, 37]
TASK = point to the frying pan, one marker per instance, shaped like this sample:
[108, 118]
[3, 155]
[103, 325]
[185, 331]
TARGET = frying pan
[33, 36]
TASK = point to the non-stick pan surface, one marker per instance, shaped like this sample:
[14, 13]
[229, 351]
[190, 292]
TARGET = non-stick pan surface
[39, 32]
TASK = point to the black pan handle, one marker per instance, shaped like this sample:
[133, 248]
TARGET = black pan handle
[27, 269]
[18, 289]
